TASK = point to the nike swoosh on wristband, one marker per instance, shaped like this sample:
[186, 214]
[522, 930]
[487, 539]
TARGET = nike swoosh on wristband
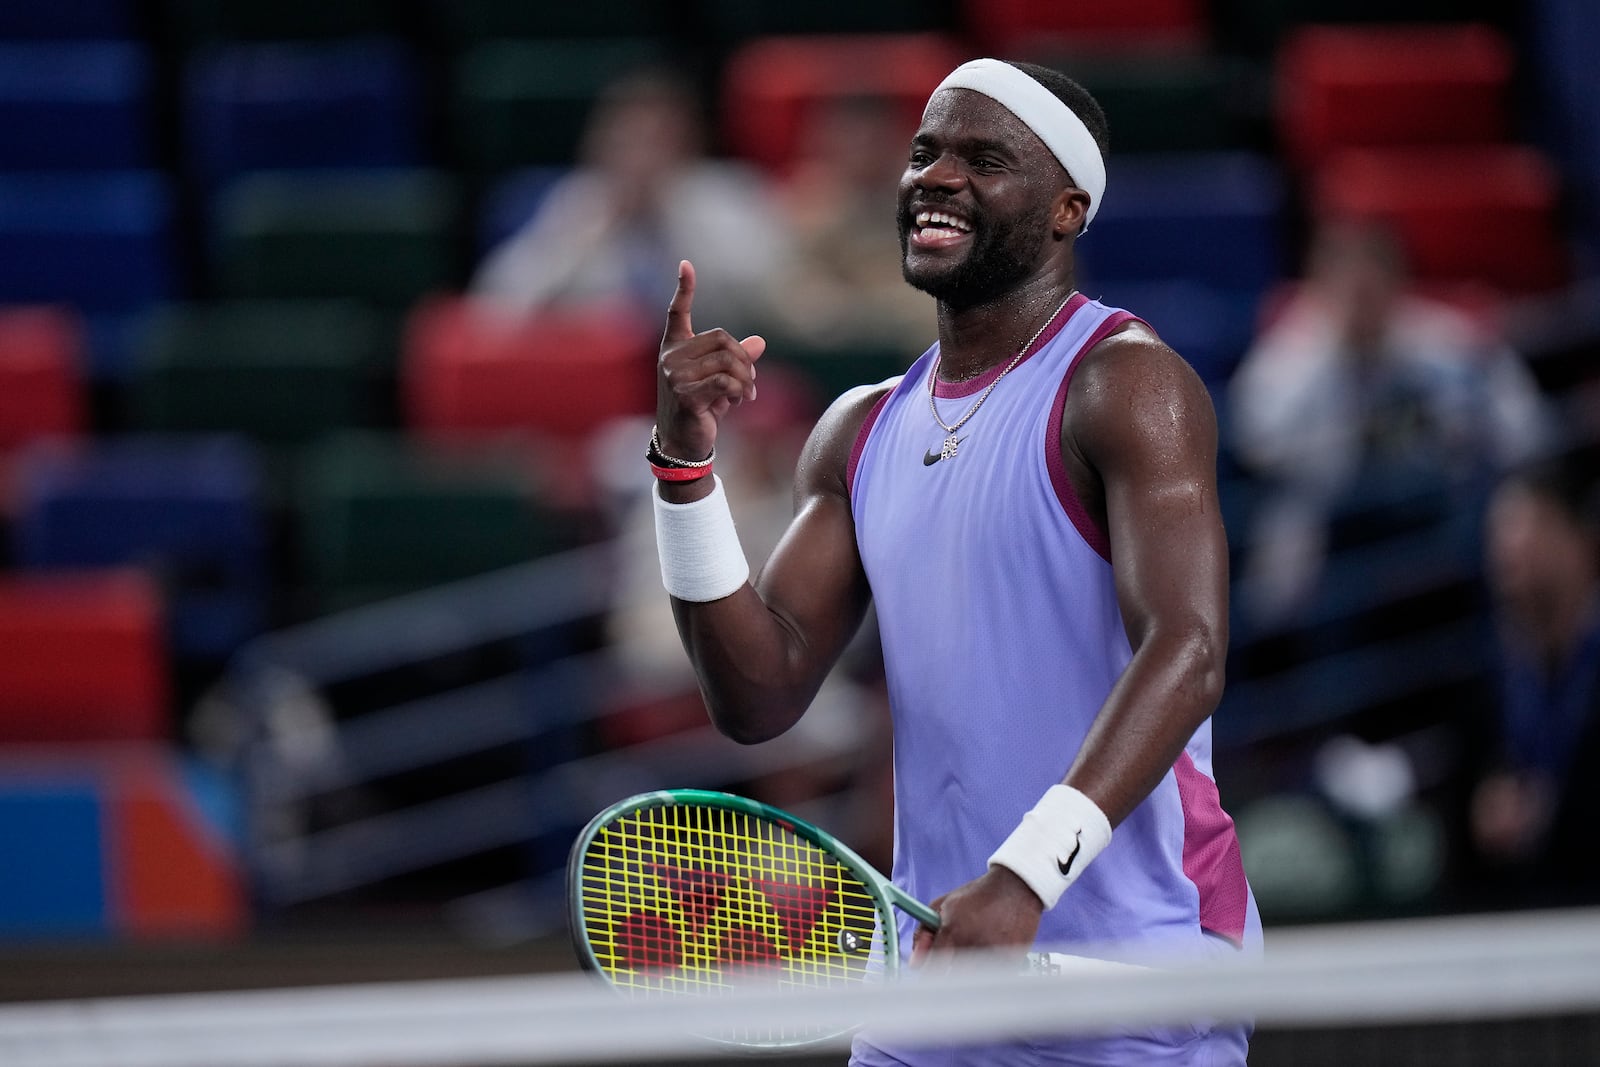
[1065, 866]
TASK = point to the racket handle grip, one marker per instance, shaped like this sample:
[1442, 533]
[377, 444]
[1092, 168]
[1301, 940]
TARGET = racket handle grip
[921, 912]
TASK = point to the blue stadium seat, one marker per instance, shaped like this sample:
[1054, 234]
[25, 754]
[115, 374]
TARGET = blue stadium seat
[192, 23]
[71, 105]
[67, 19]
[511, 202]
[189, 510]
[384, 236]
[1567, 118]
[101, 241]
[1209, 326]
[1214, 218]
[352, 103]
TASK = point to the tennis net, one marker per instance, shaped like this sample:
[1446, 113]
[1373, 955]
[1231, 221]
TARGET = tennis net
[1512, 989]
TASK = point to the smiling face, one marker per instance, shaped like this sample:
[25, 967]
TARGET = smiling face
[977, 201]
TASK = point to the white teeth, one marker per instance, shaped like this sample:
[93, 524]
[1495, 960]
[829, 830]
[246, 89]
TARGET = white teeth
[939, 218]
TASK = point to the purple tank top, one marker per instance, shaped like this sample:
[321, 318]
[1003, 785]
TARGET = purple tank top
[1002, 637]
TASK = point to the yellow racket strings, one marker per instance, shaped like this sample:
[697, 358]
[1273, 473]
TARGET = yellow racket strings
[699, 898]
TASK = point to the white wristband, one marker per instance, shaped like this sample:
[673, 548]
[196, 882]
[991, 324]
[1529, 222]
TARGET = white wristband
[701, 558]
[1054, 842]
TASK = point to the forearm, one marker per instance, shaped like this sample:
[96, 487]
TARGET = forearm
[1167, 690]
[760, 650]
[751, 665]
[1170, 687]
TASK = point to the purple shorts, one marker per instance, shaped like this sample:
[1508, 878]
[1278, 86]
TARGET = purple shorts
[1199, 1046]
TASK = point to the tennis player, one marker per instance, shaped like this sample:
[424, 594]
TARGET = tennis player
[1032, 508]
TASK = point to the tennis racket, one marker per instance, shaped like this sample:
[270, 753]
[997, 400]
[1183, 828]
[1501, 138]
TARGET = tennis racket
[686, 892]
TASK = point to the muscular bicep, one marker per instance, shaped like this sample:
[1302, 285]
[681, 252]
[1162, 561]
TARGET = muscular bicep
[762, 653]
[1141, 423]
[1145, 424]
[813, 581]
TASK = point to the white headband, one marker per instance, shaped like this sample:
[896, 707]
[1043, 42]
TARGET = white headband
[1062, 131]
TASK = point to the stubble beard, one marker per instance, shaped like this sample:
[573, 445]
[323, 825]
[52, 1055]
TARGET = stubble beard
[1003, 254]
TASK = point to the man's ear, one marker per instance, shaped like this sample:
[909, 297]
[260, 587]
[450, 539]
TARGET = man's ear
[1071, 209]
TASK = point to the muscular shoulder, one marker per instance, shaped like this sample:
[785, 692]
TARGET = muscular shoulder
[1133, 389]
[825, 462]
[1136, 414]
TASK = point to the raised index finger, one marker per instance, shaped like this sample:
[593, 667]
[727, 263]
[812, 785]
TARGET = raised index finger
[678, 327]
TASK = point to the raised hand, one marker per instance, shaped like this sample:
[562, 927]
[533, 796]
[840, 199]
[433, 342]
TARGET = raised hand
[699, 376]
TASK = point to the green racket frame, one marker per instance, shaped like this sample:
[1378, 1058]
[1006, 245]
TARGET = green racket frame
[884, 895]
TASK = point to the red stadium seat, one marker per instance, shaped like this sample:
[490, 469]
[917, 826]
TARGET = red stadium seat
[1349, 87]
[1485, 214]
[42, 390]
[471, 372]
[771, 83]
[1006, 27]
[82, 658]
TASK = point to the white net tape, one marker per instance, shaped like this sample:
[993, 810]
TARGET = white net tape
[1424, 970]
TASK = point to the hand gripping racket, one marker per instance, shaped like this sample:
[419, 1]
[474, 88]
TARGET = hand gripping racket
[688, 892]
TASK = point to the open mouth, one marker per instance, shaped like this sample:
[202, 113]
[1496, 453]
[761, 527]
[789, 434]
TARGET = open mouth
[939, 229]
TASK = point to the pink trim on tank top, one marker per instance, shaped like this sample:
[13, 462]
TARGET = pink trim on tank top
[861, 440]
[1088, 528]
[952, 390]
[1211, 858]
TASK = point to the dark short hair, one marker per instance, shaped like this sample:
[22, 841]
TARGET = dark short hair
[1075, 96]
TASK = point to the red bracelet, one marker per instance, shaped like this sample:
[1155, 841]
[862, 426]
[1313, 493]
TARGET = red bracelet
[679, 474]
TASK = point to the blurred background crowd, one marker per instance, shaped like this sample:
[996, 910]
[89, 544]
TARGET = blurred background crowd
[328, 592]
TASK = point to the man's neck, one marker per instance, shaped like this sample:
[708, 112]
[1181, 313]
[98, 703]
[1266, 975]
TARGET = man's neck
[979, 337]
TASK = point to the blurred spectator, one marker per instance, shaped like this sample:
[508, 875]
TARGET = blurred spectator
[1359, 382]
[843, 285]
[642, 197]
[1533, 815]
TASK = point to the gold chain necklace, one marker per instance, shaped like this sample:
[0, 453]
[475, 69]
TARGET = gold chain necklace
[951, 442]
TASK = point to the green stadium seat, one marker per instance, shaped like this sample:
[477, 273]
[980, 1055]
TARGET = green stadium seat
[1186, 101]
[1303, 862]
[387, 237]
[735, 20]
[463, 23]
[522, 103]
[832, 370]
[282, 372]
[379, 517]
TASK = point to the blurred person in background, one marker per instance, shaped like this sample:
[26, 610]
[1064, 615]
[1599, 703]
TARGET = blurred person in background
[642, 195]
[1533, 815]
[1358, 382]
[842, 285]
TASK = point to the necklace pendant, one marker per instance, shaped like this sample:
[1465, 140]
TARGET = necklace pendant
[948, 451]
